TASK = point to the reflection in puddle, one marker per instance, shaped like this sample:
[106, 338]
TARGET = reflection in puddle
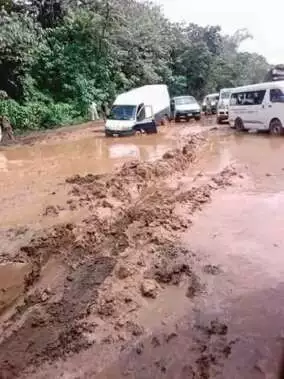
[3, 163]
[124, 151]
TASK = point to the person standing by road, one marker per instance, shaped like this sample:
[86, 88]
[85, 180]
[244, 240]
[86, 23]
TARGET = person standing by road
[105, 111]
[6, 128]
[94, 112]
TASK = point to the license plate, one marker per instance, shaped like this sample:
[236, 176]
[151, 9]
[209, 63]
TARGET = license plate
[189, 114]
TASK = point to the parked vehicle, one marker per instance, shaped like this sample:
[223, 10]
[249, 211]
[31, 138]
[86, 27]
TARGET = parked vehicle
[140, 109]
[223, 105]
[275, 73]
[185, 107]
[210, 102]
[204, 104]
[259, 107]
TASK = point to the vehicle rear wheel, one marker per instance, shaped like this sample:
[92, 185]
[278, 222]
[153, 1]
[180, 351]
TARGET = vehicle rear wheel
[197, 118]
[276, 128]
[165, 121]
[219, 121]
[239, 125]
[177, 119]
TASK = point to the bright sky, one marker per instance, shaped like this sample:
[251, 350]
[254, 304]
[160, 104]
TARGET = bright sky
[264, 21]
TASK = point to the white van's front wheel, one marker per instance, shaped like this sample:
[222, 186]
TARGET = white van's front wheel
[276, 128]
[239, 125]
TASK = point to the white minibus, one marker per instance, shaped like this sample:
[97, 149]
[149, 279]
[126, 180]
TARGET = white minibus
[258, 107]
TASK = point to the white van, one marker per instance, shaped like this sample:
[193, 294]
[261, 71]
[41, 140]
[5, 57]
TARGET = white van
[223, 105]
[258, 106]
[210, 102]
[140, 109]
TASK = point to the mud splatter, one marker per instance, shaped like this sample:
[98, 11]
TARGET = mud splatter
[212, 269]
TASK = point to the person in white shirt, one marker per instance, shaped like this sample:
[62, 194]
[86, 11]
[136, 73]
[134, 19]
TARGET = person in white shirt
[93, 111]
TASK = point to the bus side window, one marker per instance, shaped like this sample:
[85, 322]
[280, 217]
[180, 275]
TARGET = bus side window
[240, 98]
[249, 99]
[233, 100]
[276, 96]
[258, 97]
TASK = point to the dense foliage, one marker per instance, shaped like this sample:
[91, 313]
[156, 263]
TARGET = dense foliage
[57, 56]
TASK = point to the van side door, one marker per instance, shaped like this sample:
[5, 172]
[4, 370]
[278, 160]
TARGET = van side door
[254, 103]
[145, 120]
[274, 105]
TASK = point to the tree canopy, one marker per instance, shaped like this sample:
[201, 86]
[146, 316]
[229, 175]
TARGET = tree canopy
[57, 56]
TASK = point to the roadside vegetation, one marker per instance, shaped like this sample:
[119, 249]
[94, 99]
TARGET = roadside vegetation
[57, 56]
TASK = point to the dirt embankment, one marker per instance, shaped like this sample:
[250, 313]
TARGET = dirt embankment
[126, 250]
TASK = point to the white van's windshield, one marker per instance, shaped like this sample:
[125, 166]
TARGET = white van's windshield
[213, 97]
[122, 112]
[225, 95]
[185, 100]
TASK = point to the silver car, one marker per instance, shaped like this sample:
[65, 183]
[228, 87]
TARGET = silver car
[185, 107]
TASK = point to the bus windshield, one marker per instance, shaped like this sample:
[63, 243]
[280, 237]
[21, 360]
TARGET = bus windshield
[122, 112]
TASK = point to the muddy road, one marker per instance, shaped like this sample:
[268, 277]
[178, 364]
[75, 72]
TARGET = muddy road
[145, 257]
[32, 172]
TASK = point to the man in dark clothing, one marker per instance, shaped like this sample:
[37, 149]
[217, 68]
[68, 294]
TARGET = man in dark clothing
[105, 112]
[6, 128]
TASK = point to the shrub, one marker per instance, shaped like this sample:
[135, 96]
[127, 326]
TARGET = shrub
[36, 115]
[58, 114]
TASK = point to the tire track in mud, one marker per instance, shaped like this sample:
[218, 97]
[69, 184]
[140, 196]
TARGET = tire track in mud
[137, 242]
[50, 331]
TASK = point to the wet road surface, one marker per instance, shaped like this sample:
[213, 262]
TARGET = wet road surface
[31, 175]
[240, 232]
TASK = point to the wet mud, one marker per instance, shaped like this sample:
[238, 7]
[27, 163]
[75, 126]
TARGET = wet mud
[50, 330]
[130, 235]
[147, 281]
[32, 177]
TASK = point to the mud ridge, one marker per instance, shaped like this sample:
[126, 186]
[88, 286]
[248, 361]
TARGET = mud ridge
[128, 182]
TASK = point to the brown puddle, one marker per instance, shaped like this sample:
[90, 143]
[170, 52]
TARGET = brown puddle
[260, 156]
[95, 154]
[30, 176]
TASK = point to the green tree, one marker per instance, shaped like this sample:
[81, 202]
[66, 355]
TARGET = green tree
[57, 56]
[19, 39]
